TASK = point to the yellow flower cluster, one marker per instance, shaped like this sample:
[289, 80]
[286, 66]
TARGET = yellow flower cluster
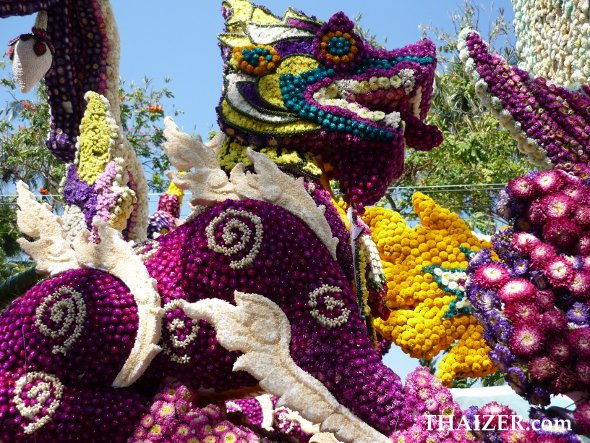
[98, 133]
[418, 303]
[233, 152]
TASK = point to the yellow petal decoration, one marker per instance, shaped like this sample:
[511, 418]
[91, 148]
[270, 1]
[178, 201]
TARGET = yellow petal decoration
[98, 132]
[415, 295]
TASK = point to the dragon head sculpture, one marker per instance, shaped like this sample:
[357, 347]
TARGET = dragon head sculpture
[318, 94]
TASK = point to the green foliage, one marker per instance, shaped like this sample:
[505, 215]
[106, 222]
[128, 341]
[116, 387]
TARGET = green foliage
[24, 126]
[477, 156]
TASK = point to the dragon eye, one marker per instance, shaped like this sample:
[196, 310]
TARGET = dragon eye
[337, 45]
[255, 60]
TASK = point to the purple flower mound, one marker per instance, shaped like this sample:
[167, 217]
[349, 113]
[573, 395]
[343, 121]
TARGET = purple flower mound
[79, 326]
[79, 193]
[286, 271]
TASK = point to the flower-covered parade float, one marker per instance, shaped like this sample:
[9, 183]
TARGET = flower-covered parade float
[263, 316]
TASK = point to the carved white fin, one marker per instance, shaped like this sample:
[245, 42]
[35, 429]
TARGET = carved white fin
[52, 252]
[209, 184]
[117, 257]
[272, 185]
[259, 329]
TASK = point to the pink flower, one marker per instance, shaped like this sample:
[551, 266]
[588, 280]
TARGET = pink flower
[553, 321]
[526, 340]
[583, 246]
[547, 181]
[493, 276]
[580, 342]
[561, 233]
[558, 205]
[545, 300]
[521, 188]
[582, 216]
[524, 242]
[517, 289]
[519, 312]
[543, 369]
[559, 272]
[580, 284]
[541, 254]
[582, 416]
[559, 350]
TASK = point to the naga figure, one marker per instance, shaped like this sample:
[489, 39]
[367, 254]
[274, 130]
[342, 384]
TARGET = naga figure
[260, 287]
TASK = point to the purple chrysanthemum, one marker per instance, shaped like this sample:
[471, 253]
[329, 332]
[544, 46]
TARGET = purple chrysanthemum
[520, 266]
[517, 379]
[578, 314]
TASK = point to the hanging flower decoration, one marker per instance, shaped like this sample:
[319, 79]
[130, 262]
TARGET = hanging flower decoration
[534, 302]
[425, 270]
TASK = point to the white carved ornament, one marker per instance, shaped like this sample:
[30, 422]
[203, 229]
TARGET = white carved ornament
[209, 184]
[259, 329]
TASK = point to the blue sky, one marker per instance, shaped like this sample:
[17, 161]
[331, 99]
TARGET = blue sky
[178, 39]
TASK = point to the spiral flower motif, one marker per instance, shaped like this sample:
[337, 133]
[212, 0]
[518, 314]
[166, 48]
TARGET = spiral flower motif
[236, 236]
[61, 317]
[177, 328]
[37, 396]
[331, 304]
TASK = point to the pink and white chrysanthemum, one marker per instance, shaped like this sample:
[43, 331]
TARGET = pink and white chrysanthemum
[559, 271]
[521, 188]
[519, 312]
[541, 254]
[526, 340]
[517, 289]
[558, 205]
[525, 242]
[493, 275]
[580, 284]
[547, 181]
